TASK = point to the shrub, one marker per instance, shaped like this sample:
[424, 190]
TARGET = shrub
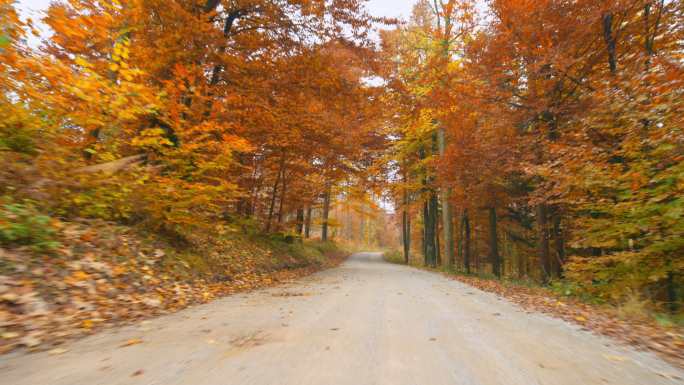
[21, 224]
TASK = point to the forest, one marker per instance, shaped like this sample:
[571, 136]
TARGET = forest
[204, 141]
[542, 140]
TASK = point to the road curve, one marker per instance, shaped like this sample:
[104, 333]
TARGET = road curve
[365, 323]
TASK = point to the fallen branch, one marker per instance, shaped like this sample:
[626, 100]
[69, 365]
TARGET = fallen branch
[113, 166]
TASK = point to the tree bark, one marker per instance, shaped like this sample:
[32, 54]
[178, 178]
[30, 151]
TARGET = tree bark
[447, 210]
[406, 228]
[559, 244]
[438, 241]
[113, 166]
[283, 196]
[326, 212]
[543, 236]
[227, 27]
[307, 223]
[430, 230]
[274, 194]
[610, 41]
[493, 243]
[426, 217]
[300, 221]
[466, 240]
[210, 5]
[433, 247]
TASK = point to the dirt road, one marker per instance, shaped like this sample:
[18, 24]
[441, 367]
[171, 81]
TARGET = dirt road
[367, 322]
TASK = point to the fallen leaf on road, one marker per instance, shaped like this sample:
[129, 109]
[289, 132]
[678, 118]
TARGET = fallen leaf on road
[615, 358]
[57, 351]
[138, 372]
[580, 319]
[131, 342]
[30, 341]
[80, 276]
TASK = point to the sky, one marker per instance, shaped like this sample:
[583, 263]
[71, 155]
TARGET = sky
[31, 6]
[391, 8]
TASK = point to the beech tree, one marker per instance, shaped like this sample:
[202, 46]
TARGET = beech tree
[562, 131]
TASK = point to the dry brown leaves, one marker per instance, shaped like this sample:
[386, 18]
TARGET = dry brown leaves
[642, 333]
[104, 279]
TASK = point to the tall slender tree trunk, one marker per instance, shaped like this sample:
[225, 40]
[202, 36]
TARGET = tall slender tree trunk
[543, 236]
[438, 241]
[307, 223]
[559, 244]
[283, 197]
[274, 194]
[522, 266]
[429, 233]
[465, 223]
[610, 41]
[406, 228]
[430, 212]
[459, 243]
[426, 218]
[430, 230]
[447, 210]
[326, 212]
[493, 243]
[434, 215]
[300, 221]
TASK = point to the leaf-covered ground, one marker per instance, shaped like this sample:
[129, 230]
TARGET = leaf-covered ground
[640, 332]
[105, 275]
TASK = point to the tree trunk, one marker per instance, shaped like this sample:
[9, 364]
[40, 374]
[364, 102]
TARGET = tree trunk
[274, 195]
[543, 236]
[610, 41]
[307, 223]
[447, 211]
[406, 228]
[300, 221]
[431, 231]
[283, 196]
[459, 245]
[559, 244]
[493, 243]
[227, 27]
[466, 241]
[426, 217]
[434, 219]
[326, 212]
[438, 241]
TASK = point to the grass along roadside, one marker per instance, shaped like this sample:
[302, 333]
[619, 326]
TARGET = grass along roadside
[637, 329]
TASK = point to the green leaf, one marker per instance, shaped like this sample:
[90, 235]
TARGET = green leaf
[4, 41]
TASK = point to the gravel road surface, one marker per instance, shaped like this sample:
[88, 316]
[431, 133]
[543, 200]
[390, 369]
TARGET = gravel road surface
[366, 322]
